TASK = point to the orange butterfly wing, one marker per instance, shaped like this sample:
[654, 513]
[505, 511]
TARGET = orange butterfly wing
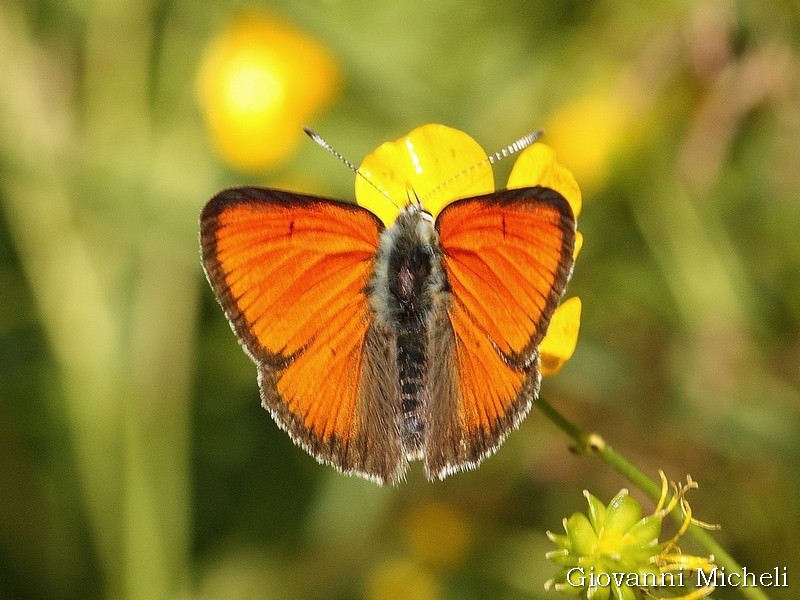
[290, 272]
[507, 258]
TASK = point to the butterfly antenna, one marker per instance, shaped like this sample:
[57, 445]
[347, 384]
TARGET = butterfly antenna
[324, 143]
[520, 144]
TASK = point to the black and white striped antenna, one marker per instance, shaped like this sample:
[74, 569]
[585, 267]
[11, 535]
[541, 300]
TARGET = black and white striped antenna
[324, 143]
[509, 150]
[518, 146]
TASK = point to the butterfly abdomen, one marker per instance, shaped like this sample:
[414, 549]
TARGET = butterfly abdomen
[406, 294]
[412, 370]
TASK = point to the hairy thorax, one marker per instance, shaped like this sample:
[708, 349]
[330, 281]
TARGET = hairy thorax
[408, 286]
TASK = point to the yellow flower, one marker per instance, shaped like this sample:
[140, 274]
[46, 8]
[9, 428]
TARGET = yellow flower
[260, 81]
[614, 552]
[440, 165]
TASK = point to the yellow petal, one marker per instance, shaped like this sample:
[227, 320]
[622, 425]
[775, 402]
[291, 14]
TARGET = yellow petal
[578, 245]
[433, 163]
[259, 82]
[562, 336]
[537, 165]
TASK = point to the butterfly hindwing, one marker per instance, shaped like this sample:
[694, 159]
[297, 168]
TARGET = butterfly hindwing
[507, 258]
[290, 272]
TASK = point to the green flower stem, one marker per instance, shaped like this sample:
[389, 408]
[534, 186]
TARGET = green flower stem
[591, 442]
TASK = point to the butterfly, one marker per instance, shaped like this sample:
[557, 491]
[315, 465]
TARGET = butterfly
[379, 344]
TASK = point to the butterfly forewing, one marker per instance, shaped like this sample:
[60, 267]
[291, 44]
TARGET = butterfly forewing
[291, 271]
[507, 258]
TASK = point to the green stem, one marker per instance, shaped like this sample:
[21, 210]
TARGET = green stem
[592, 442]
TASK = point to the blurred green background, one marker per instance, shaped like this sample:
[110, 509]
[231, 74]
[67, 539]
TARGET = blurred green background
[135, 459]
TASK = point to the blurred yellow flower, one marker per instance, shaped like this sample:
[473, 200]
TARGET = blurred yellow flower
[260, 81]
[442, 164]
[400, 579]
[587, 132]
[438, 534]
